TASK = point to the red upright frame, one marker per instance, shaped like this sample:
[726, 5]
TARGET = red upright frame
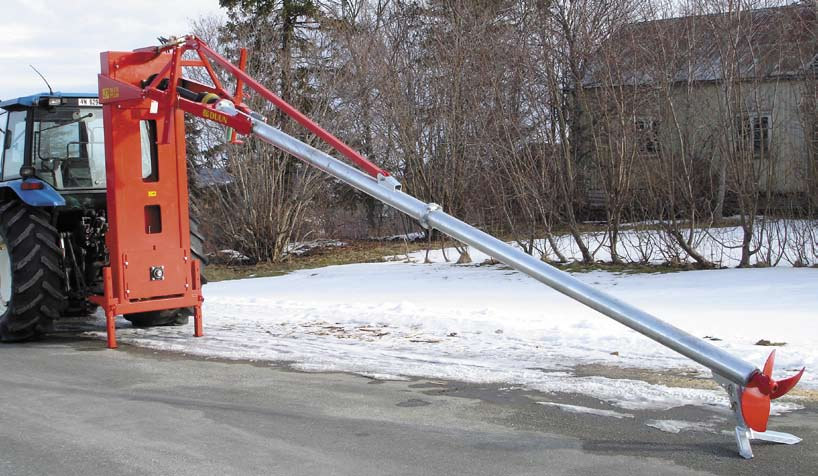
[143, 85]
[143, 243]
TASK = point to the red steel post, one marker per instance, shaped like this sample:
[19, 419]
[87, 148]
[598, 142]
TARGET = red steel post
[110, 327]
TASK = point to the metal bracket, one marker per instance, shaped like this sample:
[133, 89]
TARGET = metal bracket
[743, 433]
[389, 182]
[424, 220]
[225, 106]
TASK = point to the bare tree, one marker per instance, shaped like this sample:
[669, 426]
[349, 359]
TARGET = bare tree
[526, 118]
[262, 205]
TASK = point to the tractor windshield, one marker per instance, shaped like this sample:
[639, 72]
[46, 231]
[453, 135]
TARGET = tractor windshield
[68, 147]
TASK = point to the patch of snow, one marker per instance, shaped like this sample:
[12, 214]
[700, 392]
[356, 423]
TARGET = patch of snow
[414, 236]
[678, 426]
[591, 411]
[231, 255]
[636, 394]
[298, 248]
[779, 408]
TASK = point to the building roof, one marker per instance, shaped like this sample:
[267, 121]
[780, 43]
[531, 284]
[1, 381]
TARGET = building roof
[765, 44]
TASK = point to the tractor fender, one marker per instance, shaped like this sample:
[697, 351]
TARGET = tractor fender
[35, 197]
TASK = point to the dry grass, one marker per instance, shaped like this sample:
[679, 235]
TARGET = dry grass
[368, 251]
[353, 252]
[624, 268]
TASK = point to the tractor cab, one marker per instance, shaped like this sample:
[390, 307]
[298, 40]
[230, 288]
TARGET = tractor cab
[57, 138]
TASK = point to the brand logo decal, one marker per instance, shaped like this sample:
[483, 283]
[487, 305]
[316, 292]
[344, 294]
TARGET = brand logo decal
[214, 116]
[110, 93]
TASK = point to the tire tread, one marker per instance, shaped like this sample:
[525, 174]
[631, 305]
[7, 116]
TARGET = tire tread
[36, 275]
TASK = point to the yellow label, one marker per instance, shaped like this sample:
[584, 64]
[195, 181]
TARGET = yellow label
[110, 93]
[152, 193]
[214, 116]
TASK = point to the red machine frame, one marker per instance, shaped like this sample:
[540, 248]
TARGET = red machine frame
[149, 229]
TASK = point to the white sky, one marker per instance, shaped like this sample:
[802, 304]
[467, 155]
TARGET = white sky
[63, 38]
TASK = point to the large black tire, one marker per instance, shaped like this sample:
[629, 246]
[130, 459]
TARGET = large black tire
[32, 252]
[174, 317]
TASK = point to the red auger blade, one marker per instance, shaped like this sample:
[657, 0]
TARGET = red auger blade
[786, 384]
[755, 399]
[755, 408]
[768, 365]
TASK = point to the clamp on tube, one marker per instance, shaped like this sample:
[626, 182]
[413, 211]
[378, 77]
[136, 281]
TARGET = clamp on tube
[424, 220]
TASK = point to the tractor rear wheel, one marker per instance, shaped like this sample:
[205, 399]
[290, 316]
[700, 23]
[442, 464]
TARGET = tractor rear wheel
[30, 273]
[181, 316]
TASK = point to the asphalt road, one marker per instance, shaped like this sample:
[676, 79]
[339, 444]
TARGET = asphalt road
[72, 407]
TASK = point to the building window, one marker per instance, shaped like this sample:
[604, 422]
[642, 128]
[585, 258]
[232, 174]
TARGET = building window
[756, 130]
[646, 133]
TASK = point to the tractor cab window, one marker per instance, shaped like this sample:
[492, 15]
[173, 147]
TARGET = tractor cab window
[68, 147]
[14, 144]
[3, 123]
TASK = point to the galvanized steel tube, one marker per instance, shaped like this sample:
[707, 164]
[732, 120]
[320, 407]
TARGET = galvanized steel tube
[719, 361]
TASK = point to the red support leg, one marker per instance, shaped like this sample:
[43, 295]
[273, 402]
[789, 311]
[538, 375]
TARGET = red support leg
[197, 321]
[110, 321]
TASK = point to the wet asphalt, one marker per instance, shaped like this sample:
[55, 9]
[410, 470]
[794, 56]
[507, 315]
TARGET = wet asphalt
[72, 407]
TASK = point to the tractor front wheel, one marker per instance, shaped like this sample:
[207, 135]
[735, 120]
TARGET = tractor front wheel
[30, 273]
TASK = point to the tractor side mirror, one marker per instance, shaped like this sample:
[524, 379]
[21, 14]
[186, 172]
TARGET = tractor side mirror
[27, 171]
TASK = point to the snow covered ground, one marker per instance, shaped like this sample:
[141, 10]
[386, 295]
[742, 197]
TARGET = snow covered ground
[492, 324]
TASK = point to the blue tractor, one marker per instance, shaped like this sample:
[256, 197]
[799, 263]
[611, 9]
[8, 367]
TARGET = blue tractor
[52, 214]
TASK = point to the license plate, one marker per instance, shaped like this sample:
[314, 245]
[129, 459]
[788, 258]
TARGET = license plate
[88, 102]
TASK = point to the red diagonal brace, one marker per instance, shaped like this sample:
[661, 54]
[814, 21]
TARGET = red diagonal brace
[336, 143]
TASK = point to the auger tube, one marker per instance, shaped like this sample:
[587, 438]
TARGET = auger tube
[387, 190]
